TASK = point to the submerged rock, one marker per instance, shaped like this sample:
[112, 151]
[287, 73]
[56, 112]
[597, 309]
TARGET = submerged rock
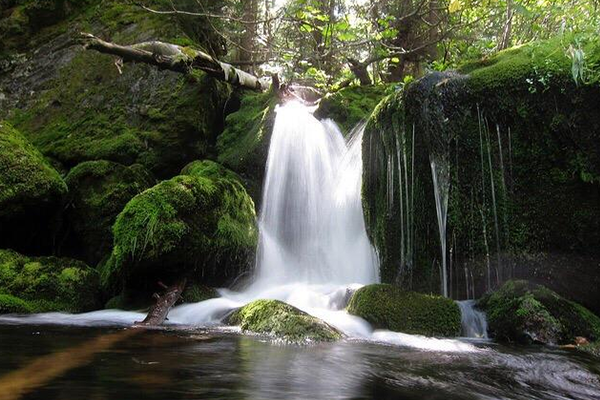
[389, 307]
[40, 284]
[31, 193]
[524, 312]
[98, 191]
[283, 321]
[201, 226]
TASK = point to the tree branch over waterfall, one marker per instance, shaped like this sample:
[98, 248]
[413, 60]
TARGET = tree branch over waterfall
[174, 58]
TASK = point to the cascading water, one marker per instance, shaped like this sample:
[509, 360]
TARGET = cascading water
[313, 247]
[473, 321]
[440, 172]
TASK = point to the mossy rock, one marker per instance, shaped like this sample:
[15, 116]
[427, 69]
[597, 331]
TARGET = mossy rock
[281, 320]
[48, 283]
[13, 305]
[201, 226]
[31, 192]
[98, 191]
[243, 146]
[350, 105]
[389, 307]
[519, 137]
[76, 106]
[523, 312]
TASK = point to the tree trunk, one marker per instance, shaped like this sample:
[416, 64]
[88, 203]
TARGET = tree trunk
[506, 32]
[174, 58]
[248, 38]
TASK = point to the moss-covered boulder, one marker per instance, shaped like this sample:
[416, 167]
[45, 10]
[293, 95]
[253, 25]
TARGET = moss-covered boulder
[350, 105]
[200, 226]
[523, 312]
[514, 142]
[243, 146]
[389, 307]
[75, 105]
[98, 191]
[281, 320]
[39, 284]
[31, 192]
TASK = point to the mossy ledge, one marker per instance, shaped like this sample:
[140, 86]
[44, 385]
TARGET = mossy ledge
[282, 321]
[41, 284]
[389, 307]
[524, 312]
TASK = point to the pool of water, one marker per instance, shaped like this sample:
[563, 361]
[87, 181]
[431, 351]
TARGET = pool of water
[58, 362]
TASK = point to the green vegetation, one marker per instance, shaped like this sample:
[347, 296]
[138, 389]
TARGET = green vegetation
[26, 178]
[350, 105]
[195, 293]
[98, 191]
[389, 307]
[523, 312]
[199, 225]
[39, 284]
[243, 145]
[276, 318]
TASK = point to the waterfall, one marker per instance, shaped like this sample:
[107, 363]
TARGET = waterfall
[311, 222]
[473, 321]
[440, 172]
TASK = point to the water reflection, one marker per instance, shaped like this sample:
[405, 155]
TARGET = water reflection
[199, 364]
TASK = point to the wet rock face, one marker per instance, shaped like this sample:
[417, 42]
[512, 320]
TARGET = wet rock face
[520, 139]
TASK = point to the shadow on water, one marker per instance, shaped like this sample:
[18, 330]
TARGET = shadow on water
[201, 364]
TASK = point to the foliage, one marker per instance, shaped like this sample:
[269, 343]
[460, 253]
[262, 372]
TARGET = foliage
[389, 307]
[278, 319]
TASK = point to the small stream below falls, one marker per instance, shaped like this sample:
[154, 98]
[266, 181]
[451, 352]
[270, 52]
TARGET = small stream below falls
[213, 364]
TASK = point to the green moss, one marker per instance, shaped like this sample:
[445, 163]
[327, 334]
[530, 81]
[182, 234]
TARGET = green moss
[197, 292]
[98, 191]
[389, 307]
[49, 283]
[520, 311]
[350, 105]
[276, 318]
[87, 110]
[13, 305]
[200, 226]
[516, 130]
[26, 178]
[243, 145]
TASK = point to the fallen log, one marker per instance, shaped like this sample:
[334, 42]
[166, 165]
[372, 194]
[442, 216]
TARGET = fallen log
[174, 58]
[159, 311]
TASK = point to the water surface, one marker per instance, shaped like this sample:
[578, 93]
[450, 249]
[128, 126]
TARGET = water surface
[211, 364]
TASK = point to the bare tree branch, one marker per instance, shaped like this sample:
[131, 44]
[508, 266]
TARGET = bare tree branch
[174, 58]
